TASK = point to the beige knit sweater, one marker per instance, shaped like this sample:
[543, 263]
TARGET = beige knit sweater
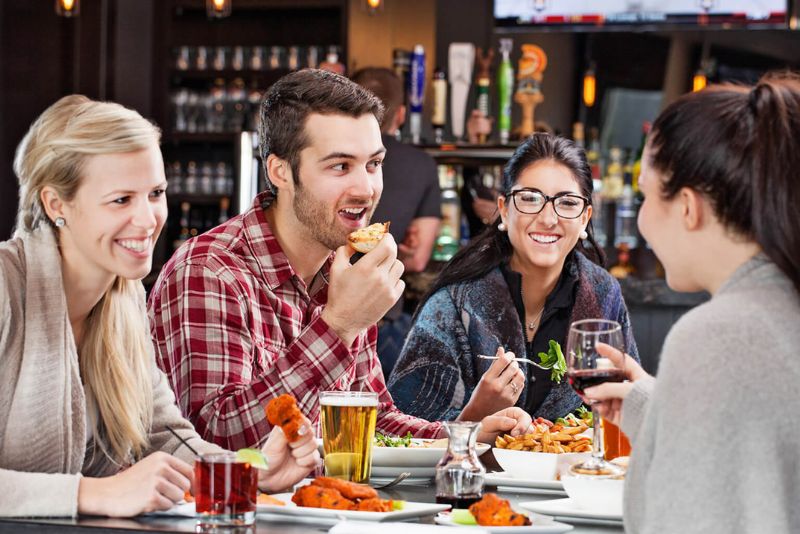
[43, 449]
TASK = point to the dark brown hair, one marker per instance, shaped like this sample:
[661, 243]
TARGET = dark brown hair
[384, 84]
[290, 101]
[493, 247]
[739, 146]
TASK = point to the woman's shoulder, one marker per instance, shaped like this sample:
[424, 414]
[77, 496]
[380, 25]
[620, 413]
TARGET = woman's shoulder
[12, 267]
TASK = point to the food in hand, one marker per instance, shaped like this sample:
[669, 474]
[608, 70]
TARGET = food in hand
[492, 511]
[365, 239]
[554, 439]
[335, 494]
[283, 411]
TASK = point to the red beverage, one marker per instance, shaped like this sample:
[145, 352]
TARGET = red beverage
[461, 502]
[580, 379]
[225, 490]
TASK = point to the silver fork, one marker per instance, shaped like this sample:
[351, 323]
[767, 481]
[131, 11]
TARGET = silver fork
[397, 480]
[523, 360]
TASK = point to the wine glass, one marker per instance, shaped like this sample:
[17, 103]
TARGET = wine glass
[585, 368]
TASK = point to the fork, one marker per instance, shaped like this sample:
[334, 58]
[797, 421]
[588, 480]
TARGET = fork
[397, 480]
[523, 360]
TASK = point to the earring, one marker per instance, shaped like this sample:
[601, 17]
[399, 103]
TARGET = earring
[584, 235]
[502, 227]
[60, 222]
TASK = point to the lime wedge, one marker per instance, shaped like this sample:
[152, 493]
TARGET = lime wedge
[253, 457]
[462, 517]
[398, 505]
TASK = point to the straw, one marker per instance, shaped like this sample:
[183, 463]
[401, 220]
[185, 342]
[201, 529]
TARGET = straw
[182, 440]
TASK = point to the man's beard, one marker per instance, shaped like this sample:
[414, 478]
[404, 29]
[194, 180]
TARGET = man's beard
[313, 214]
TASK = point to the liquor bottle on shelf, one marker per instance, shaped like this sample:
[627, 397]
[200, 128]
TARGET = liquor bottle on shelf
[184, 233]
[206, 178]
[447, 242]
[438, 118]
[623, 268]
[224, 205]
[578, 134]
[594, 155]
[221, 179]
[637, 165]
[190, 184]
[625, 220]
[614, 179]
[174, 178]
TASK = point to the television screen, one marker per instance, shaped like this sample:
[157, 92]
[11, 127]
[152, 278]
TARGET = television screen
[753, 13]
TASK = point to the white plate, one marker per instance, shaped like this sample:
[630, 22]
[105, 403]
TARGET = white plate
[413, 456]
[410, 510]
[544, 525]
[566, 508]
[502, 478]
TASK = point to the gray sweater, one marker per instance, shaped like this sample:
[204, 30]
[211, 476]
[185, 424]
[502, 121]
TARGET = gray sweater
[716, 439]
[43, 448]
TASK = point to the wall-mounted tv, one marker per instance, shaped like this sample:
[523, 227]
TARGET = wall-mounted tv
[601, 13]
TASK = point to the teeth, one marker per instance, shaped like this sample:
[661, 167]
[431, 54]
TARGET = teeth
[544, 238]
[354, 211]
[135, 245]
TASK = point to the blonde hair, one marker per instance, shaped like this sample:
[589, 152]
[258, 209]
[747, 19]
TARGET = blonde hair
[115, 359]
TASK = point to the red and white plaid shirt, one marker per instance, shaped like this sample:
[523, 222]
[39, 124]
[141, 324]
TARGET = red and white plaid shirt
[234, 327]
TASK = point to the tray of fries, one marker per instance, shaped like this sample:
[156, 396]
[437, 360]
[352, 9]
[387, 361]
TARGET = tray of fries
[544, 453]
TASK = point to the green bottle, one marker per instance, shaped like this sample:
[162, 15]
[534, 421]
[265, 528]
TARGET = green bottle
[505, 86]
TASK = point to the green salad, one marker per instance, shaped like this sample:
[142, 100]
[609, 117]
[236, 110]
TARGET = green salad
[382, 440]
[554, 360]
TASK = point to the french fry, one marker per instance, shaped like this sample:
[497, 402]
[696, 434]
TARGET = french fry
[557, 439]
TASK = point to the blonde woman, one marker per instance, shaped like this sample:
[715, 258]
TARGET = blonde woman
[83, 408]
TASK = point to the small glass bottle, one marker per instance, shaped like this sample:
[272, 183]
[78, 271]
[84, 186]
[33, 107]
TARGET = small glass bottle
[459, 474]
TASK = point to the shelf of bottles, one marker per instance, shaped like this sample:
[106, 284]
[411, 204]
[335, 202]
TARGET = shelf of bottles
[217, 90]
[616, 200]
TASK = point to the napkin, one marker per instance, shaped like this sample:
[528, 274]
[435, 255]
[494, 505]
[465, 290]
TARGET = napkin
[370, 527]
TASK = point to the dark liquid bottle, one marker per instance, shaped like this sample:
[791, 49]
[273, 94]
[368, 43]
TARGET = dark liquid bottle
[462, 501]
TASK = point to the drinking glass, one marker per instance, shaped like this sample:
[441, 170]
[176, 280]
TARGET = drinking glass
[348, 421]
[585, 368]
[225, 490]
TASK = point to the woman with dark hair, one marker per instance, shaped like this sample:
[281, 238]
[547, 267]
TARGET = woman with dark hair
[516, 286]
[712, 448]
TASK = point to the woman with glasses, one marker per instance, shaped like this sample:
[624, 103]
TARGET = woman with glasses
[511, 291]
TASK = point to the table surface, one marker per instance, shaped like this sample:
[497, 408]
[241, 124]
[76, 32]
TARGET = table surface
[416, 493]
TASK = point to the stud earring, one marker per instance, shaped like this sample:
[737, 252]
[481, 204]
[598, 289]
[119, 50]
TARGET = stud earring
[502, 227]
[60, 222]
[584, 235]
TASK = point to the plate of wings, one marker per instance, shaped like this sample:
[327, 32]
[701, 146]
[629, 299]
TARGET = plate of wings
[331, 498]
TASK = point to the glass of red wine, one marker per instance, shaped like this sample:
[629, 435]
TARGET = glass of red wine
[586, 368]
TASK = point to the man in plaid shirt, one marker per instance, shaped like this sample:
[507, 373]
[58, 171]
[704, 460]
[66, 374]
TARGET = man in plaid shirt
[261, 305]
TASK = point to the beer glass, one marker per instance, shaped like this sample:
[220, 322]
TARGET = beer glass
[225, 490]
[348, 420]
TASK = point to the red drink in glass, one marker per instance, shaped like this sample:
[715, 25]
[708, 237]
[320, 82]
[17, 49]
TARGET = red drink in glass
[225, 491]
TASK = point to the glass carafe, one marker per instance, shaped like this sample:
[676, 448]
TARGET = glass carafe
[460, 474]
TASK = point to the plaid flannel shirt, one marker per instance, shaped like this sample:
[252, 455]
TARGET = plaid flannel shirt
[234, 327]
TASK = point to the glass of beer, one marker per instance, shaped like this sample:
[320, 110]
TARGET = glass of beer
[348, 427]
[225, 490]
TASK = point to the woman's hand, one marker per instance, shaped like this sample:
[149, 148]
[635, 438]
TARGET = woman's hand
[289, 463]
[514, 421]
[157, 482]
[607, 398]
[499, 387]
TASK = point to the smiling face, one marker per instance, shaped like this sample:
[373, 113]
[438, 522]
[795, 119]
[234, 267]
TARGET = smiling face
[116, 215]
[542, 240]
[340, 176]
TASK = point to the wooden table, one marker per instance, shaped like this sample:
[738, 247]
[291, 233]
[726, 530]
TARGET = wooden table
[90, 525]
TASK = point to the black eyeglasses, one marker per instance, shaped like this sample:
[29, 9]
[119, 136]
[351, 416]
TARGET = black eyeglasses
[533, 201]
